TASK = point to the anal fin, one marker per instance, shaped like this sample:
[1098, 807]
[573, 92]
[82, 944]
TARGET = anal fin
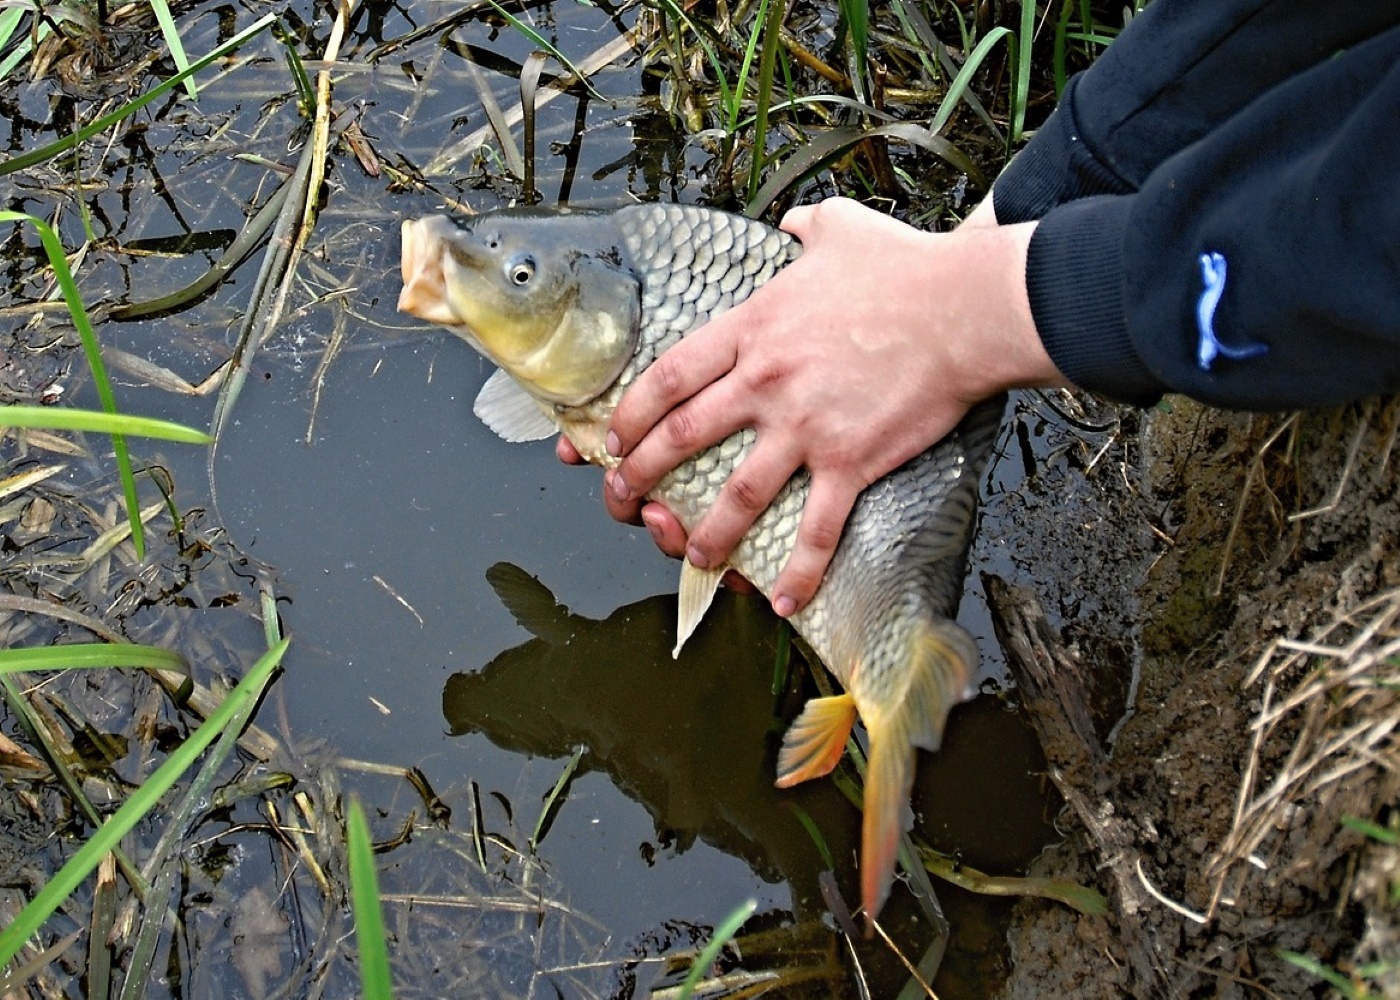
[697, 593]
[816, 739]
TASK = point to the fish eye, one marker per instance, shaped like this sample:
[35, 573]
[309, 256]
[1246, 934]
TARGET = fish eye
[520, 270]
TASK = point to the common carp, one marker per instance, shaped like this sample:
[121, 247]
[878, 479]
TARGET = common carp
[572, 306]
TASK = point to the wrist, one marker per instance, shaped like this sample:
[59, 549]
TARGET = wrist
[984, 314]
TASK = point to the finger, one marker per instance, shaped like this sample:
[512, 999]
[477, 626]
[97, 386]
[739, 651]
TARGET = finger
[687, 430]
[568, 454]
[626, 511]
[798, 221]
[682, 371]
[804, 220]
[823, 519]
[668, 533]
[665, 530]
[745, 495]
[737, 583]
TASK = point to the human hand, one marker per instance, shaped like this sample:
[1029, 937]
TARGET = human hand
[663, 526]
[853, 359]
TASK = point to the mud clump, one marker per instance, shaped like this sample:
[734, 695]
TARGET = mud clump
[1227, 819]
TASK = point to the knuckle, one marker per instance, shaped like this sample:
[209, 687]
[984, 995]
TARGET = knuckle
[768, 374]
[681, 429]
[821, 533]
[746, 494]
[668, 372]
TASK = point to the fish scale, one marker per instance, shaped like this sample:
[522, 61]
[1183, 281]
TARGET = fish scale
[604, 295]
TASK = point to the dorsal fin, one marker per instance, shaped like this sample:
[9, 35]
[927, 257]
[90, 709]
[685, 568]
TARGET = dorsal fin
[532, 605]
[505, 407]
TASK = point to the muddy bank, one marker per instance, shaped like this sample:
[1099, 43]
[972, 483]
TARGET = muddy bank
[1220, 815]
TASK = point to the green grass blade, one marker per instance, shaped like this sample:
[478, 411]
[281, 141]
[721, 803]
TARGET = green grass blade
[772, 27]
[242, 247]
[724, 933]
[1021, 87]
[9, 20]
[963, 80]
[554, 799]
[537, 39]
[1382, 834]
[856, 14]
[376, 981]
[86, 655]
[745, 66]
[63, 418]
[813, 831]
[142, 801]
[29, 159]
[729, 97]
[171, 34]
[306, 93]
[1335, 979]
[1077, 897]
[58, 260]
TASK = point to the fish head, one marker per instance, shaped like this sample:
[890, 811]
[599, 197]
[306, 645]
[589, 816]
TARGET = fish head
[550, 299]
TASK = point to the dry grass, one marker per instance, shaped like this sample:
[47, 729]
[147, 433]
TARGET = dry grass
[1334, 701]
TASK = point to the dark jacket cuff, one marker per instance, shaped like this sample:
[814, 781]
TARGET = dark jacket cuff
[1074, 276]
[1055, 167]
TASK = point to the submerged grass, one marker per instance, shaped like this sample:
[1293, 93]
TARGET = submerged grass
[140, 805]
[724, 933]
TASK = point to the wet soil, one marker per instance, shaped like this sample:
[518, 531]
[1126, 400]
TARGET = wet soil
[1227, 573]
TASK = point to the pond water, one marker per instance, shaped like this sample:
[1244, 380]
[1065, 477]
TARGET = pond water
[418, 559]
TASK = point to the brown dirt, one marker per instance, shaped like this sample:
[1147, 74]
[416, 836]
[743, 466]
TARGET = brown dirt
[1230, 573]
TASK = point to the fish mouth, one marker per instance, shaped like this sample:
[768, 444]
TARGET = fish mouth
[425, 243]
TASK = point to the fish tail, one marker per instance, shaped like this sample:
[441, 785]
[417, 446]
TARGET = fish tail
[941, 659]
[889, 777]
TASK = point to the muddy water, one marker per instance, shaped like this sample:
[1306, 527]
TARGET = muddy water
[465, 606]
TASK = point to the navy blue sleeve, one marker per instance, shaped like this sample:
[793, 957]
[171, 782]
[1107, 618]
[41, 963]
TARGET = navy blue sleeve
[1294, 198]
[1178, 70]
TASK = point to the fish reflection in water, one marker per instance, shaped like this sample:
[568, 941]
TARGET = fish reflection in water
[693, 739]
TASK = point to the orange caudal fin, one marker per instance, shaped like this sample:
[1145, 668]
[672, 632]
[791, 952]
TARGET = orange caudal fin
[934, 677]
[816, 739]
[889, 777]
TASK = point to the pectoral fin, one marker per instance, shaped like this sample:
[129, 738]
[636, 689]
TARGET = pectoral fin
[697, 592]
[816, 739]
[505, 407]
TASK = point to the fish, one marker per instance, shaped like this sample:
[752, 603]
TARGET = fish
[572, 306]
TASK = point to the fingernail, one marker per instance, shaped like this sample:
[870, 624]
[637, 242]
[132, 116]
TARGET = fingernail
[613, 445]
[619, 487]
[652, 521]
[784, 606]
[697, 558]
